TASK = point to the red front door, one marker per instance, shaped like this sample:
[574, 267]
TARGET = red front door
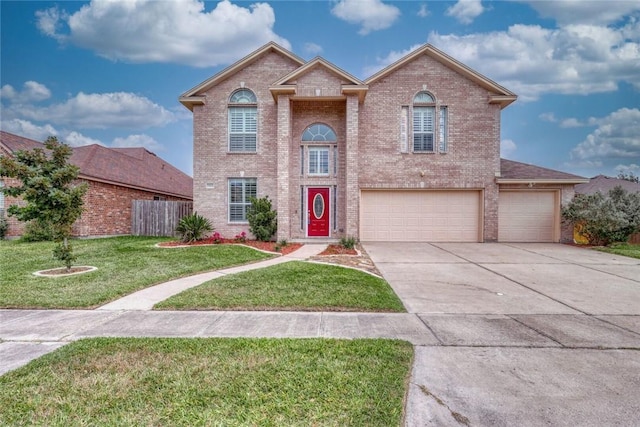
[318, 212]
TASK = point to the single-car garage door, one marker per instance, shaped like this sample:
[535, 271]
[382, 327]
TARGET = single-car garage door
[420, 216]
[528, 216]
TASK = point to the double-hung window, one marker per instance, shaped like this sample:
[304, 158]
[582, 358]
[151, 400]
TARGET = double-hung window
[318, 160]
[429, 125]
[240, 192]
[243, 121]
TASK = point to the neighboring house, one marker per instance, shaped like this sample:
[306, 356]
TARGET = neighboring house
[115, 176]
[604, 184]
[410, 154]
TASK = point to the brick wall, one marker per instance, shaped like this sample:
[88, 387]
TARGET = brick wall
[107, 210]
[213, 164]
[472, 158]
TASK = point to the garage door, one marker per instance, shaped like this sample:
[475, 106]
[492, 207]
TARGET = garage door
[528, 216]
[420, 216]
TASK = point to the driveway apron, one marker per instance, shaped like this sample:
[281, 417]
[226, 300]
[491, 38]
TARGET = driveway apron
[529, 334]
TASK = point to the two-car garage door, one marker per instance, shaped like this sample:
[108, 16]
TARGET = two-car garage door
[420, 216]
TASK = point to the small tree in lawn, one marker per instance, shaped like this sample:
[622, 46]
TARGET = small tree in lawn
[47, 188]
[263, 220]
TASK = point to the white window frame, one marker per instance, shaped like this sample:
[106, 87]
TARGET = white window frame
[315, 153]
[424, 118]
[245, 203]
[242, 122]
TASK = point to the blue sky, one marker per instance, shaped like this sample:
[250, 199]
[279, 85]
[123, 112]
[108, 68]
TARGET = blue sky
[110, 72]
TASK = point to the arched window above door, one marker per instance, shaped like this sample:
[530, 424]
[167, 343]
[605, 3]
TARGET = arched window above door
[318, 132]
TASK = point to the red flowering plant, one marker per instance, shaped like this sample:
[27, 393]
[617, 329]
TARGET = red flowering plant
[240, 238]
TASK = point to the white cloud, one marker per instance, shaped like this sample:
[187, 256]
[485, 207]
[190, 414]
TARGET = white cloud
[164, 31]
[630, 168]
[617, 136]
[571, 123]
[76, 139]
[313, 48]
[98, 111]
[423, 12]
[138, 141]
[507, 148]
[392, 57]
[32, 91]
[531, 60]
[548, 117]
[465, 11]
[372, 15]
[28, 129]
[585, 12]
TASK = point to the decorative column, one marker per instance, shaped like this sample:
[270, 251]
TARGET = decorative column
[284, 137]
[352, 189]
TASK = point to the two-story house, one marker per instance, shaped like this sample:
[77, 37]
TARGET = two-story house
[410, 154]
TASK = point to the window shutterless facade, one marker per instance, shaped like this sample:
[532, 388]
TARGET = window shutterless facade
[243, 121]
[240, 192]
[318, 160]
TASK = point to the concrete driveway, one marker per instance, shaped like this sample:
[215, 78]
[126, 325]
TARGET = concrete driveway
[528, 334]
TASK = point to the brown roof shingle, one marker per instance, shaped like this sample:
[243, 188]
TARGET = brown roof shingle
[130, 167]
[604, 184]
[510, 169]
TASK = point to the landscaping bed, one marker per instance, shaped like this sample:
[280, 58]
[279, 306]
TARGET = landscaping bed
[274, 247]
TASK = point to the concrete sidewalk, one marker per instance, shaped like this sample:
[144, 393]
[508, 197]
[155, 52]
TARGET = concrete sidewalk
[148, 297]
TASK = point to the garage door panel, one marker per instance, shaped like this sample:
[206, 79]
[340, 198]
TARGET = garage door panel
[527, 216]
[420, 216]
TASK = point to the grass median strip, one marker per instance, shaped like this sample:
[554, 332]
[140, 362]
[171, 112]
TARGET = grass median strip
[626, 249]
[230, 382]
[295, 286]
[125, 265]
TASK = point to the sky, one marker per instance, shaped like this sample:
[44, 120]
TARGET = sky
[110, 72]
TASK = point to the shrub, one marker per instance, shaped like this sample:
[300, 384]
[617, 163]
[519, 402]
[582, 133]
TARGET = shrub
[38, 230]
[193, 227]
[281, 244]
[263, 220]
[348, 242]
[605, 218]
[4, 226]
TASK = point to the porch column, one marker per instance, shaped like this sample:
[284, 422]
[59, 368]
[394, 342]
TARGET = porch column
[352, 187]
[284, 136]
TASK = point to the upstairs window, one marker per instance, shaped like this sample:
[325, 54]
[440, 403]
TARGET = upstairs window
[318, 142]
[243, 121]
[318, 132]
[424, 112]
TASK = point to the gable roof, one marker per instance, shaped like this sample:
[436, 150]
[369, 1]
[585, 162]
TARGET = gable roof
[604, 184]
[354, 85]
[135, 168]
[512, 172]
[501, 95]
[193, 96]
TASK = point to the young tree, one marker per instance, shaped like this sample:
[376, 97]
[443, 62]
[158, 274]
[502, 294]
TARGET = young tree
[47, 187]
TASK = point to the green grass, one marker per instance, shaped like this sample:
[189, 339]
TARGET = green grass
[125, 265]
[295, 285]
[214, 382]
[626, 249]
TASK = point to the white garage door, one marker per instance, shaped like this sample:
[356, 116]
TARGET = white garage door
[420, 216]
[528, 216]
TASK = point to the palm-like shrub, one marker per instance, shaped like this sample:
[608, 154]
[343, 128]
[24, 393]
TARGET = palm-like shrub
[193, 227]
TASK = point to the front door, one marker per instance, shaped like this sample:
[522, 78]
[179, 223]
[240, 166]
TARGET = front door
[318, 212]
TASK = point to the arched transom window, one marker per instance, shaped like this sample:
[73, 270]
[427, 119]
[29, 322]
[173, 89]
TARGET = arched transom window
[243, 121]
[319, 151]
[318, 132]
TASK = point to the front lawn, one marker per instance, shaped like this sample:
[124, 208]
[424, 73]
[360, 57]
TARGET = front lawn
[225, 382]
[125, 265]
[292, 286]
[626, 249]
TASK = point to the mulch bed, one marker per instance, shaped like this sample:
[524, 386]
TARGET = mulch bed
[263, 246]
[338, 250]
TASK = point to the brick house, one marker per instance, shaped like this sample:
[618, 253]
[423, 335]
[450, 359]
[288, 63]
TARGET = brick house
[115, 176]
[410, 154]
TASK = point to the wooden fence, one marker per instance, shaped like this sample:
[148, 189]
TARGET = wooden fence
[157, 218]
